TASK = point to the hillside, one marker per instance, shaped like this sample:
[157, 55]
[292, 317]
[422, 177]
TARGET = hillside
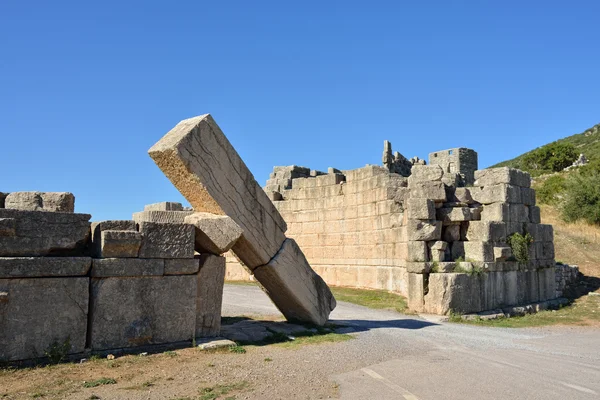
[587, 142]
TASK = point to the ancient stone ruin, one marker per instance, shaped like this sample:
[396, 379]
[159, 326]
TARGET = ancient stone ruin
[438, 234]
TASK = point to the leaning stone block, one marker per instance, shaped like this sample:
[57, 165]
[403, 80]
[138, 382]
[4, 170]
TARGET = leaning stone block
[424, 230]
[215, 234]
[38, 267]
[8, 227]
[36, 313]
[297, 291]
[164, 206]
[25, 201]
[182, 266]
[109, 267]
[162, 217]
[137, 311]
[40, 233]
[199, 160]
[122, 244]
[211, 279]
[429, 190]
[420, 209]
[494, 176]
[425, 173]
[58, 201]
[166, 240]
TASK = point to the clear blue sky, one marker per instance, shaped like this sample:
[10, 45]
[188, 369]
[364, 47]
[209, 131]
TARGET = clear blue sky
[86, 88]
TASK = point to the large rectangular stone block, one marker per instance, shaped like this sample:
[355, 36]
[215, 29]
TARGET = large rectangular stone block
[124, 244]
[453, 292]
[136, 311]
[34, 267]
[182, 266]
[428, 190]
[297, 291]
[200, 161]
[501, 193]
[41, 233]
[36, 313]
[161, 216]
[416, 292]
[164, 206]
[424, 230]
[24, 201]
[215, 234]
[452, 215]
[479, 251]
[486, 231]
[167, 240]
[209, 300]
[109, 267]
[8, 227]
[58, 201]
[494, 176]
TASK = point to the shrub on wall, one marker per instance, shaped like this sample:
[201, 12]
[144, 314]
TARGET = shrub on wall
[519, 245]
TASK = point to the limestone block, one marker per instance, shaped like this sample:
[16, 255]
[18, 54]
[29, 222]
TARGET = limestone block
[496, 212]
[494, 176]
[544, 250]
[457, 250]
[528, 196]
[502, 253]
[459, 195]
[162, 217]
[518, 213]
[486, 231]
[452, 215]
[274, 195]
[445, 267]
[424, 230]
[124, 244]
[415, 267]
[41, 233]
[546, 232]
[199, 160]
[182, 266]
[534, 214]
[33, 267]
[8, 227]
[492, 290]
[136, 311]
[416, 292]
[532, 286]
[58, 201]
[501, 193]
[166, 240]
[25, 201]
[425, 173]
[164, 206]
[211, 279]
[429, 190]
[37, 312]
[297, 291]
[451, 233]
[417, 251]
[453, 292]
[479, 251]
[510, 287]
[112, 225]
[109, 267]
[215, 234]
[329, 179]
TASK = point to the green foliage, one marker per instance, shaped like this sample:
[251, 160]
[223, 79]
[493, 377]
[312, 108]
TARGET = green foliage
[57, 352]
[99, 382]
[552, 157]
[237, 349]
[435, 267]
[519, 245]
[551, 190]
[582, 197]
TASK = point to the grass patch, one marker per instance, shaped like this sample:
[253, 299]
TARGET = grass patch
[315, 338]
[237, 349]
[99, 382]
[379, 299]
[215, 392]
[584, 311]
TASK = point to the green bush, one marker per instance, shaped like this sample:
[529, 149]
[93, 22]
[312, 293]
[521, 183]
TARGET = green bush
[552, 157]
[519, 245]
[551, 190]
[582, 197]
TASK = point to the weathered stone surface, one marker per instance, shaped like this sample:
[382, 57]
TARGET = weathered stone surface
[425, 173]
[528, 196]
[58, 201]
[8, 227]
[163, 217]
[546, 232]
[452, 215]
[215, 234]
[420, 209]
[25, 201]
[415, 267]
[37, 312]
[479, 251]
[111, 225]
[429, 190]
[164, 206]
[534, 215]
[416, 287]
[486, 231]
[109, 267]
[451, 233]
[182, 266]
[129, 312]
[40, 233]
[500, 193]
[33, 267]
[199, 160]
[211, 279]
[494, 176]
[124, 244]
[417, 251]
[459, 195]
[502, 253]
[424, 230]
[454, 292]
[297, 291]
[496, 212]
[166, 240]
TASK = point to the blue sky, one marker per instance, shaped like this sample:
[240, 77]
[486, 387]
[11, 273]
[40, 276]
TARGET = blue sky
[86, 88]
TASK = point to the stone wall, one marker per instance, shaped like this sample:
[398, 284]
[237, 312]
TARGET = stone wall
[566, 276]
[68, 283]
[461, 160]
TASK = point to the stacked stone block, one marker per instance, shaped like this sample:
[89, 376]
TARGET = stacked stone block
[105, 285]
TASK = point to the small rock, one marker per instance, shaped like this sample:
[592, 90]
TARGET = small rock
[144, 354]
[83, 360]
[110, 357]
